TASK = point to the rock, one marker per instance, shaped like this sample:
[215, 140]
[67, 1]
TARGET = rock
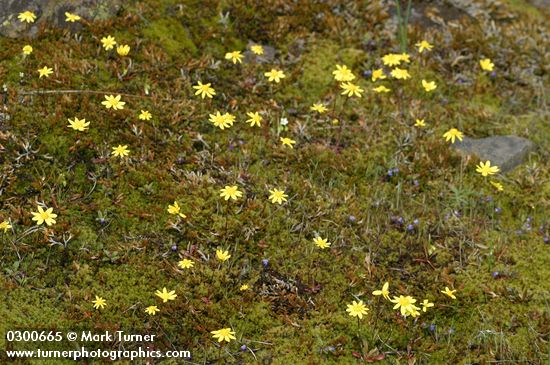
[541, 4]
[506, 152]
[51, 12]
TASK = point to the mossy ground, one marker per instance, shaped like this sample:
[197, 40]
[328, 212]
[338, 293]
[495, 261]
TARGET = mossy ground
[336, 178]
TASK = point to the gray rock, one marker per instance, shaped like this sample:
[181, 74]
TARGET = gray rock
[542, 4]
[51, 12]
[506, 152]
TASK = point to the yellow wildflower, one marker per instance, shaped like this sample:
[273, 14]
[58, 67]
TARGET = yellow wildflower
[424, 46]
[120, 151]
[27, 16]
[485, 169]
[230, 192]
[448, 292]
[351, 89]
[255, 119]
[486, 64]
[451, 134]
[78, 124]
[343, 73]
[235, 56]
[400, 74]
[274, 75]
[114, 102]
[357, 309]
[385, 292]
[378, 75]
[222, 255]
[278, 196]
[319, 108]
[99, 302]
[165, 295]
[225, 334]
[257, 49]
[152, 310]
[108, 42]
[287, 142]
[42, 216]
[44, 71]
[71, 18]
[186, 264]
[123, 50]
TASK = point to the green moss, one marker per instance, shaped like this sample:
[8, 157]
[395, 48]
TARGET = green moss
[524, 7]
[316, 71]
[294, 311]
[170, 34]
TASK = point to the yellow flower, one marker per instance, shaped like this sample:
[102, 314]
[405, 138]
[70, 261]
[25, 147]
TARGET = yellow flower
[277, 196]
[392, 59]
[405, 303]
[257, 49]
[357, 309]
[5, 225]
[175, 210]
[99, 302]
[420, 123]
[123, 50]
[120, 151]
[412, 311]
[255, 119]
[229, 118]
[428, 86]
[44, 216]
[405, 57]
[108, 42]
[165, 295]
[145, 115]
[27, 16]
[222, 255]
[385, 292]
[485, 169]
[78, 124]
[274, 75]
[426, 304]
[486, 64]
[225, 334]
[343, 73]
[351, 89]
[113, 102]
[234, 56]
[151, 310]
[244, 287]
[319, 108]
[378, 75]
[186, 264]
[204, 90]
[71, 17]
[497, 185]
[44, 71]
[424, 46]
[27, 50]
[321, 242]
[451, 134]
[448, 292]
[230, 192]
[220, 120]
[381, 89]
[287, 142]
[400, 74]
